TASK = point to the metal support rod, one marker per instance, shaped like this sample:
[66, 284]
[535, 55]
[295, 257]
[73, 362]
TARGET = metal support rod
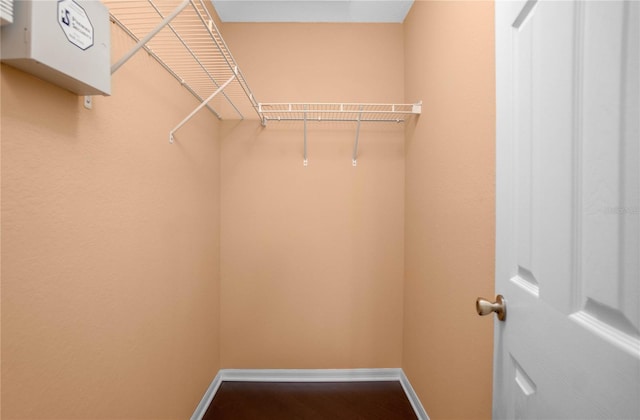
[306, 162]
[197, 60]
[150, 35]
[330, 111]
[364, 120]
[355, 146]
[164, 65]
[202, 105]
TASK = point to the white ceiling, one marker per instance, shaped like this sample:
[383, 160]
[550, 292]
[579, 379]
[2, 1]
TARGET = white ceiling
[356, 11]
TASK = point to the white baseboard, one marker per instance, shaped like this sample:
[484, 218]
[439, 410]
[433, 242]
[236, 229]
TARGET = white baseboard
[310, 375]
[207, 398]
[413, 397]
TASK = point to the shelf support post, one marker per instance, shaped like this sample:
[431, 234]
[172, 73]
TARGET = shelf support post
[150, 35]
[306, 161]
[202, 105]
[354, 159]
[263, 118]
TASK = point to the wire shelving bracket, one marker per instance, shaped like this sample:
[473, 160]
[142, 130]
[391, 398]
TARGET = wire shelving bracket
[337, 112]
[187, 43]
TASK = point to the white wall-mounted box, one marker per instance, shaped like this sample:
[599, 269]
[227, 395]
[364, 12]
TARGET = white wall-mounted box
[6, 12]
[65, 42]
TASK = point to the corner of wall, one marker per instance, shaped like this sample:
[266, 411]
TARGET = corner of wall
[449, 205]
[108, 235]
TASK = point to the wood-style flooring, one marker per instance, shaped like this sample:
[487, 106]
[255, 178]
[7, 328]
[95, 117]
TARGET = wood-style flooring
[310, 401]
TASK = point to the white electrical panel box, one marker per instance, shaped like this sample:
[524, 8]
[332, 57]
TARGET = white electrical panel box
[65, 42]
[6, 12]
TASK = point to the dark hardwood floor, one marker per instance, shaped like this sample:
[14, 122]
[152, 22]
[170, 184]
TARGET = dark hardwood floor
[296, 400]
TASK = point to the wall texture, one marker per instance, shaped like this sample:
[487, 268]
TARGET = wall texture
[312, 258]
[449, 207]
[110, 244]
[132, 270]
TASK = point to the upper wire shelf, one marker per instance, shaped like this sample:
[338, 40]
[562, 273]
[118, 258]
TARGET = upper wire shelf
[187, 43]
[354, 112]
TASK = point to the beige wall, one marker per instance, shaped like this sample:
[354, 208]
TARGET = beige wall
[312, 258]
[449, 217]
[110, 244]
[288, 62]
[132, 270]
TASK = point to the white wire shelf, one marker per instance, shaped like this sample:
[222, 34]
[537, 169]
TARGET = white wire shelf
[183, 38]
[354, 112]
[337, 112]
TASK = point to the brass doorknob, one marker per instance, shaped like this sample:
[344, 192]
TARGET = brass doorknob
[484, 307]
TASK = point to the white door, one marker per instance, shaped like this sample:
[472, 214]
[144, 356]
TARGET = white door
[568, 209]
